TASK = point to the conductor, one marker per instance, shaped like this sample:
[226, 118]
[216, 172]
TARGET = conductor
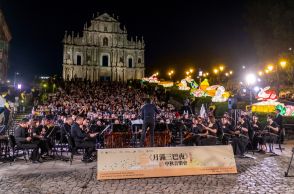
[148, 113]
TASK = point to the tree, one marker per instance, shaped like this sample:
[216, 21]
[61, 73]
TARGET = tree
[270, 24]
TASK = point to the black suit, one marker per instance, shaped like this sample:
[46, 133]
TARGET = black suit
[148, 113]
[279, 121]
[20, 135]
[82, 140]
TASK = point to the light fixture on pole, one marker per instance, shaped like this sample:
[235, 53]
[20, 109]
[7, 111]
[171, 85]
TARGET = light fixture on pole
[200, 75]
[250, 80]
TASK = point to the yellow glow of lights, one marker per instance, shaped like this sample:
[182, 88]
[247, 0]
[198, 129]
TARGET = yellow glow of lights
[283, 63]
[260, 73]
[191, 70]
[227, 74]
[270, 67]
[266, 71]
[221, 68]
[215, 71]
[231, 72]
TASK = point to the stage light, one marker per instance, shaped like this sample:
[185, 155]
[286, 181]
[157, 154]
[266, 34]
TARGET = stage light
[250, 79]
[256, 88]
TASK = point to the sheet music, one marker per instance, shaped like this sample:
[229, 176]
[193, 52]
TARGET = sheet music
[137, 122]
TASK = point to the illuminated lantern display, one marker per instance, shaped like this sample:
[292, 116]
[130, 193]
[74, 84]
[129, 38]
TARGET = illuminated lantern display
[183, 85]
[166, 84]
[264, 106]
[152, 79]
[211, 90]
[204, 84]
[266, 94]
[218, 97]
[198, 93]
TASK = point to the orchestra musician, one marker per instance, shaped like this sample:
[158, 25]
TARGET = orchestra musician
[227, 129]
[273, 130]
[279, 120]
[241, 138]
[258, 133]
[191, 137]
[24, 138]
[209, 132]
[230, 120]
[83, 139]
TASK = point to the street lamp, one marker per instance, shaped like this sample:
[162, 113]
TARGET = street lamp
[45, 86]
[14, 81]
[270, 67]
[260, 73]
[250, 80]
[170, 73]
[221, 68]
[19, 86]
[200, 75]
[283, 63]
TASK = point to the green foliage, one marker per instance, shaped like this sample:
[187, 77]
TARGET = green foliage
[221, 107]
[203, 100]
[242, 105]
[180, 95]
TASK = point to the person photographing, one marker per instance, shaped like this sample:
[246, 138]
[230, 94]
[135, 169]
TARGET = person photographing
[148, 113]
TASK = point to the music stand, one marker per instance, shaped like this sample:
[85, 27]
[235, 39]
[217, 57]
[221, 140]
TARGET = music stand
[290, 163]
[135, 125]
[62, 132]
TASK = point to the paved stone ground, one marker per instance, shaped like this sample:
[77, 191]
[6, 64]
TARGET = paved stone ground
[265, 174]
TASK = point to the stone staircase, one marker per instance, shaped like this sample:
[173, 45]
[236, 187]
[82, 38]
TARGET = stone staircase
[15, 120]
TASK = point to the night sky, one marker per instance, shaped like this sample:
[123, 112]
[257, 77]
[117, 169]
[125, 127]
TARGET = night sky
[177, 35]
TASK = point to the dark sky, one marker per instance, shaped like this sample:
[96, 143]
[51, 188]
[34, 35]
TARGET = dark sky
[202, 33]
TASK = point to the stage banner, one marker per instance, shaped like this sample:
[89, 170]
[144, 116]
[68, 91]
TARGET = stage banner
[124, 163]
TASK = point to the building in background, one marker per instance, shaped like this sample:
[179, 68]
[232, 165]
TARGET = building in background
[103, 52]
[5, 38]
